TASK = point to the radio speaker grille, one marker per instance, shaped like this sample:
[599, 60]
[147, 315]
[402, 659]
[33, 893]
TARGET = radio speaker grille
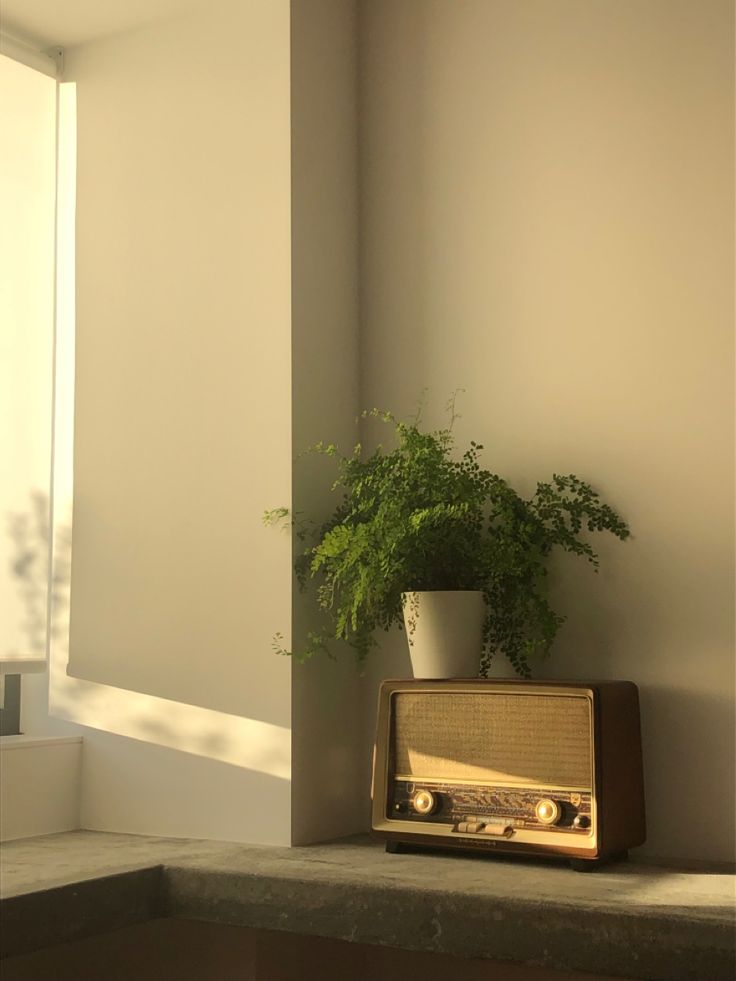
[498, 737]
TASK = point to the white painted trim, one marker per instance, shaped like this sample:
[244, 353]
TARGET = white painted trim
[23, 665]
[49, 62]
[33, 742]
[40, 787]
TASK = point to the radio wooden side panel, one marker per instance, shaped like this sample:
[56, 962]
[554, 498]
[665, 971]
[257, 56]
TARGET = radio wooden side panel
[621, 776]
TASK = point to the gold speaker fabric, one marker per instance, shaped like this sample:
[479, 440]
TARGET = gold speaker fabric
[498, 737]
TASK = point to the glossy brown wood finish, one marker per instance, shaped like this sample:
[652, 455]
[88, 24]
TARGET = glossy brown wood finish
[617, 778]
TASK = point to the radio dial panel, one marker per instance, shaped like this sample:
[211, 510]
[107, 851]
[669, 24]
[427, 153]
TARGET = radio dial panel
[523, 807]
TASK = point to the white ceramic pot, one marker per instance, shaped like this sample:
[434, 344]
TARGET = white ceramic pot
[445, 632]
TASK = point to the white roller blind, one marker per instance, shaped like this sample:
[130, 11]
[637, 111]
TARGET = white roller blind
[27, 231]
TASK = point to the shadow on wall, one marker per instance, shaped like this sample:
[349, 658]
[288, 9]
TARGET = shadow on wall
[681, 778]
[616, 620]
[144, 787]
[399, 237]
[29, 563]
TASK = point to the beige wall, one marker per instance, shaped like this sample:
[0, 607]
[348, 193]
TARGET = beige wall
[547, 221]
[182, 430]
[327, 799]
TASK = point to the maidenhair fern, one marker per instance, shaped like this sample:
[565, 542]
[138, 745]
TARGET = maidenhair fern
[418, 517]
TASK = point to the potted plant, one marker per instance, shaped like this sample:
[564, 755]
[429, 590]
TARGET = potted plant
[417, 525]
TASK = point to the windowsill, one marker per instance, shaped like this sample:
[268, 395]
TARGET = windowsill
[630, 920]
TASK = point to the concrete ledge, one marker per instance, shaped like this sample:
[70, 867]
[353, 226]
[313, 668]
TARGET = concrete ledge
[630, 945]
[54, 916]
[631, 920]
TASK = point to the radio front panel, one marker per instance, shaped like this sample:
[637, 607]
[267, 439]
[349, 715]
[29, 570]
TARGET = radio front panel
[509, 765]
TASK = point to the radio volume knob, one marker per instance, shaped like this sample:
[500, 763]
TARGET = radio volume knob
[547, 811]
[424, 802]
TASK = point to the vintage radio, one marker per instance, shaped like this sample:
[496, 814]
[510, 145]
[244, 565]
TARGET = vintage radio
[535, 767]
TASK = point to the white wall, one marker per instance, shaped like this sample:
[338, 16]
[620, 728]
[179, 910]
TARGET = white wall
[327, 799]
[547, 221]
[39, 785]
[182, 429]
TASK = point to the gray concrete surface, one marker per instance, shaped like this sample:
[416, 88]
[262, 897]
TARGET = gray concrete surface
[629, 920]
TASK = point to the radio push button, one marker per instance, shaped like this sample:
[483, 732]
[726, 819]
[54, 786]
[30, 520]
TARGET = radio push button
[470, 826]
[547, 811]
[424, 802]
[581, 821]
[503, 830]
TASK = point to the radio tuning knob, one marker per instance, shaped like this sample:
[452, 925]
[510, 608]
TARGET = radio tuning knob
[424, 802]
[547, 811]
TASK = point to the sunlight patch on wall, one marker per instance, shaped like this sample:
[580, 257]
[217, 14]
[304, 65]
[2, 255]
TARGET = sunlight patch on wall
[247, 743]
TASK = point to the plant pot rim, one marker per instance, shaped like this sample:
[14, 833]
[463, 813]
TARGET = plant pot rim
[408, 592]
